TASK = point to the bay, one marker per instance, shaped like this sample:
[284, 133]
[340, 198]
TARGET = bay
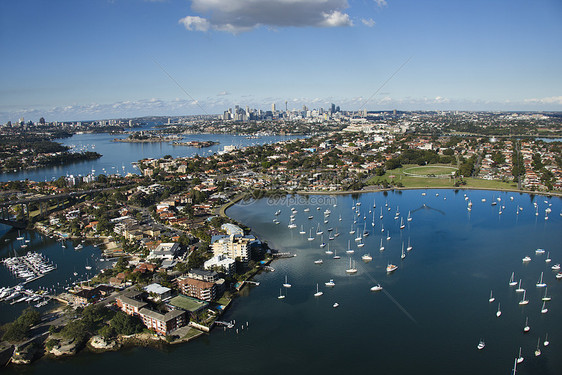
[429, 317]
[119, 156]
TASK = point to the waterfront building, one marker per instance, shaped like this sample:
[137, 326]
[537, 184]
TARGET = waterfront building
[222, 263]
[233, 246]
[203, 275]
[203, 290]
[158, 291]
[163, 323]
[232, 229]
[168, 250]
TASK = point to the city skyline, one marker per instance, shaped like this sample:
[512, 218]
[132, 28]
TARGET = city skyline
[69, 61]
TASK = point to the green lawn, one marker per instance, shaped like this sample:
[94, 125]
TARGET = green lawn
[431, 169]
[397, 175]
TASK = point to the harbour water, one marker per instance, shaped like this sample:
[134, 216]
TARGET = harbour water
[119, 156]
[429, 317]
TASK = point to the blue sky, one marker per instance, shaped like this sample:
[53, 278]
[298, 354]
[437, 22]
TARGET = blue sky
[82, 60]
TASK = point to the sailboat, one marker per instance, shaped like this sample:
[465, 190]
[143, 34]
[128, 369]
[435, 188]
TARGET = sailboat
[402, 226]
[499, 312]
[519, 357]
[281, 295]
[381, 214]
[523, 300]
[544, 310]
[318, 261]
[540, 283]
[512, 281]
[318, 230]
[381, 248]
[548, 260]
[302, 230]
[526, 328]
[361, 244]
[388, 236]
[322, 243]
[409, 248]
[546, 342]
[409, 218]
[349, 249]
[336, 256]
[403, 255]
[538, 351]
[329, 252]
[88, 267]
[352, 268]
[519, 289]
[310, 238]
[492, 298]
[546, 298]
[352, 231]
[286, 284]
[318, 292]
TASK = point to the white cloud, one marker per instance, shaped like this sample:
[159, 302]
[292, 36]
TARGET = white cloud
[195, 23]
[369, 23]
[381, 3]
[548, 100]
[237, 16]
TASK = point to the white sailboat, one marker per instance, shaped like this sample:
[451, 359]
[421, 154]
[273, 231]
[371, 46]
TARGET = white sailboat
[318, 230]
[526, 328]
[361, 244]
[352, 231]
[302, 230]
[349, 249]
[329, 252]
[409, 248]
[403, 255]
[318, 292]
[538, 350]
[409, 218]
[492, 298]
[499, 312]
[286, 283]
[281, 295]
[382, 246]
[544, 310]
[540, 283]
[512, 281]
[402, 226]
[546, 298]
[519, 357]
[519, 289]
[352, 268]
[388, 236]
[546, 342]
[336, 256]
[322, 243]
[523, 300]
[381, 216]
[548, 260]
[310, 238]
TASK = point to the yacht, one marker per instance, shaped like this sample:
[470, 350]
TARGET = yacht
[499, 312]
[481, 345]
[548, 260]
[352, 231]
[286, 284]
[409, 217]
[302, 230]
[329, 252]
[402, 226]
[318, 230]
[559, 275]
[539, 251]
[544, 310]
[310, 238]
[376, 288]
[538, 351]
[492, 298]
[391, 268]
[409, 248]
[546, 342]
[322, 244]
[281, 295]
[403, 254]
[367, 257]
[319, 261]
[527, 259]
[335, 305]
[382, 246]
[349, 249]
[556, 267]
[330, 283]
[336, 256]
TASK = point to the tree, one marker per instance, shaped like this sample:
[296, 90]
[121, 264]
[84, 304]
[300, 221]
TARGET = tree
[124, 324]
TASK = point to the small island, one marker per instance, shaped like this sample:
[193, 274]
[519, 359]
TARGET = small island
[198, 144]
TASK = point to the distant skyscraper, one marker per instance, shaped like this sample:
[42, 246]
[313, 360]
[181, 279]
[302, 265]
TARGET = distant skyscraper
[333, 109]
[273, 107]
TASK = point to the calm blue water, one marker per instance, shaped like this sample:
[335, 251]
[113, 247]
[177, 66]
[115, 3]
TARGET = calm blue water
[117, 157]
[427, 320]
